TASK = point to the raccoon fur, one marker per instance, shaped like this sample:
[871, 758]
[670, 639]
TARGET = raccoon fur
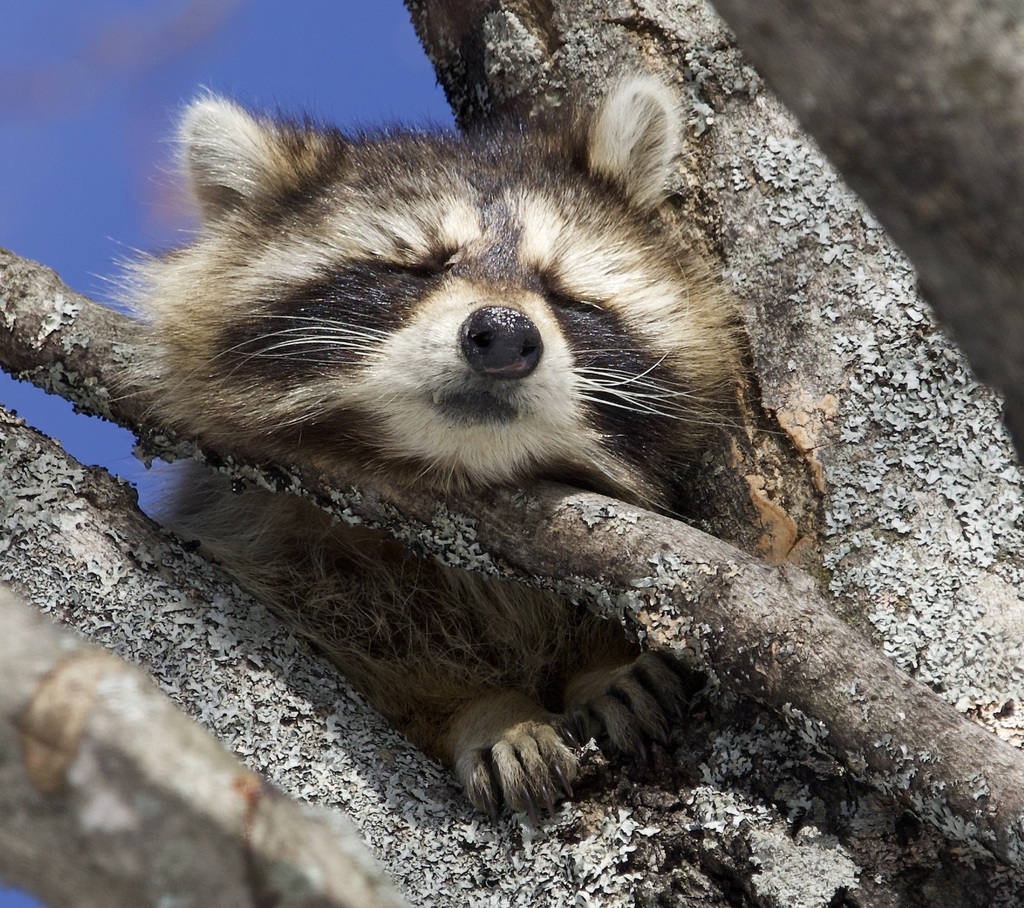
[447, 311]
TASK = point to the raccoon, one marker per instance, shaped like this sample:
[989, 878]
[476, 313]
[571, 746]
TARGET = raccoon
[448, 311]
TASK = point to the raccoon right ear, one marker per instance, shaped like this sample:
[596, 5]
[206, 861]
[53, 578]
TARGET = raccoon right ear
[634, 137]
[228, 153]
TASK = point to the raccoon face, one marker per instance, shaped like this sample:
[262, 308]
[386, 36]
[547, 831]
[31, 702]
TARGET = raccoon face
[443, 309]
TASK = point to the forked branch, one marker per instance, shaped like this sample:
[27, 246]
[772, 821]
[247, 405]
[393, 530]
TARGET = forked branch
[763, 632]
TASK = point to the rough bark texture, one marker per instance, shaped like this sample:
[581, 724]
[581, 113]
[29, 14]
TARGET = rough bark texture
[921, 108]
[763, 631]
[870, 457]
[141, 805]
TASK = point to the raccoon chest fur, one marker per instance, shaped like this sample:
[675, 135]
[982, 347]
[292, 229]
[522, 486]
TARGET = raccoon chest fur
[451, 312]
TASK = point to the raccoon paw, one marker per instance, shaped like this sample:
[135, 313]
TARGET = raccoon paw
[528, 767]
[627, 707]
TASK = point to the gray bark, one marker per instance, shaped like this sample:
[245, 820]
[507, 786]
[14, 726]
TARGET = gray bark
[111, 797]
[921, 107]
[869, 457]
[74, 545]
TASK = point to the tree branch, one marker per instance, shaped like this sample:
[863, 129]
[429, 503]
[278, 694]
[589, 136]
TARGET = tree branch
[75, 545]
[141, 805]
[764, 632]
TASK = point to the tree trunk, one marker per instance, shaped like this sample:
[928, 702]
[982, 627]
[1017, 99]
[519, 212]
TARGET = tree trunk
[923, 113]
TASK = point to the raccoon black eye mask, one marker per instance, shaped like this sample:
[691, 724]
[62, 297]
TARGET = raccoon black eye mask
[445, 311]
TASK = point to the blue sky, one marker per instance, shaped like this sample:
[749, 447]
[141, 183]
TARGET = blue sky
[89, 90]
[88, 97]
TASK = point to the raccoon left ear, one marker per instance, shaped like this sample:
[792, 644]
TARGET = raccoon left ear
[634, 135]
[229, 154]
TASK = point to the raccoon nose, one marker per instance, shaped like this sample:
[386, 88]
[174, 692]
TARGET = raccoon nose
[501, 342]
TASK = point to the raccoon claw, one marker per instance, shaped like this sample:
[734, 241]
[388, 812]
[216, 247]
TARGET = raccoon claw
[577, 726]
[563, 780]
[631, 706]
[525, 768]
[671, 683]
[532, 806]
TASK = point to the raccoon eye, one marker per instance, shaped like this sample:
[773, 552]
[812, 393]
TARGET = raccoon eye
[433, 265]
[561, 298]
[453, 257]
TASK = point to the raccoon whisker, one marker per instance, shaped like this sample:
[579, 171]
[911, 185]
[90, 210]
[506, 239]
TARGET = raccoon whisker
[626, 377]
[638, 404]
[434, 470]
[304, 345]
[687, 413]
[308, 359]
[310, 345]
[329, 333]
[634, 351]
[647, 391]
[313, 357]
[631, 384]
[272, 343]
[632, 407]
[326, 325]
[324, 342]
[322, 322]
[299, 418]
[653, 366]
